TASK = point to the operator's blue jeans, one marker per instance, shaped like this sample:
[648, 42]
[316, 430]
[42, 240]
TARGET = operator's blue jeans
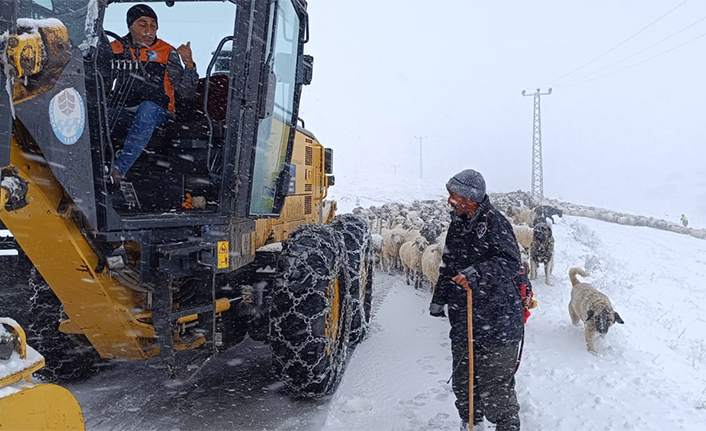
[144, 119]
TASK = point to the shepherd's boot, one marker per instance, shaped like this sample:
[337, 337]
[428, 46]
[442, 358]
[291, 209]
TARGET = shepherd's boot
[476, 427]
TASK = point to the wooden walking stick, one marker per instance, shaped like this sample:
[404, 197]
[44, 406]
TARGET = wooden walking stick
[469, 318]
[462, 281]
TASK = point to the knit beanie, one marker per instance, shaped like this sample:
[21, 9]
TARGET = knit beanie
[138, 11]
[468, 184]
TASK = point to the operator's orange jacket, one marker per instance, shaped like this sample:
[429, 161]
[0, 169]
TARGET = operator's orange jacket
[152, 82]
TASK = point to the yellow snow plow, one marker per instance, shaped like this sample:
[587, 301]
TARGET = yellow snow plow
[25, 405]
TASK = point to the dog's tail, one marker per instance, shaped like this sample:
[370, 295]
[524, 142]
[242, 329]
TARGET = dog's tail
[572, 275]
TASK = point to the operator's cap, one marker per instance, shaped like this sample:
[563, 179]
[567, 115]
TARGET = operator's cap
[138, 11]
[469, 184]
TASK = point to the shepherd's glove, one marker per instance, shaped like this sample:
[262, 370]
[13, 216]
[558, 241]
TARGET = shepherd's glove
[437, 310]
[468, 278]
[471, 275]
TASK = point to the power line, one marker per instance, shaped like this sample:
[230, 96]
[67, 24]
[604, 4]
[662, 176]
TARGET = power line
[632, 65]
[632, 55]
[616, 46]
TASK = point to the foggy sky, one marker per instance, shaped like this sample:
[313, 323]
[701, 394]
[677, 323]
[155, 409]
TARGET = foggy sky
[453, 71]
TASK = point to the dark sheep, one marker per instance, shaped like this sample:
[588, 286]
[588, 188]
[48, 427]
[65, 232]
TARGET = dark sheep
[544, 212]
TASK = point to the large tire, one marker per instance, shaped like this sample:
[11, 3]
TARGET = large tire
[32, 303]
[359, 248]
[310, 317]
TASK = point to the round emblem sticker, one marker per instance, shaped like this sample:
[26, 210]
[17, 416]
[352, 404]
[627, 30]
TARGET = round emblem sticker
[67, 115]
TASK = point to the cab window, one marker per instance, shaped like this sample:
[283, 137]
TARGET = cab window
[204, 24]
[273, 132]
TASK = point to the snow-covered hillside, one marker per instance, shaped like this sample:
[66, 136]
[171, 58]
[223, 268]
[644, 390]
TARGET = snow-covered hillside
[377, 184]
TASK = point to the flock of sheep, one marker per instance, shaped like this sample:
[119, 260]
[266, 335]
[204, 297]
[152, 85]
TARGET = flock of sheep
[411, 237]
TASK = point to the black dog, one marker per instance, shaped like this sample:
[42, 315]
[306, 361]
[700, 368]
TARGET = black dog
[542, 251]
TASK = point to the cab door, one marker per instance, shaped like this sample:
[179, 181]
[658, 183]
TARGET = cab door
[278, 109]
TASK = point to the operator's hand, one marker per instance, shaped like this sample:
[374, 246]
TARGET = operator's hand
[436, 310]
[184, 52]
[461, 280]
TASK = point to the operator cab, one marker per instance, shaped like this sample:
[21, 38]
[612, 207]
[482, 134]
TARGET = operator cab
[200, 161]
[181, 167]
[226, 152]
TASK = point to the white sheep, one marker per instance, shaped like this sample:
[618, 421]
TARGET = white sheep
[377, 247]
[397, 222]
[410, 234]
[441, 239]
[523, 217]
[416, 223]
[431, 261]
[391, 242]
[400, 235]
[411, 257]
[523, 234]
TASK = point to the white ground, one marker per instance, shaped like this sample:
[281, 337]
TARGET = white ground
[648, 374]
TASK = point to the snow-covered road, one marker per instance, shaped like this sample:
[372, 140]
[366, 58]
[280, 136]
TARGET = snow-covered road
[397, 379]
[235, 392]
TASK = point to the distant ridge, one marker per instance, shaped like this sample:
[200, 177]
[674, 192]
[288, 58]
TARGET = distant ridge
[503, 200]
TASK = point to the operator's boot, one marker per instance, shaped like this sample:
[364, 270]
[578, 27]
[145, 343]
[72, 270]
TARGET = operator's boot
[113, 178]
[116, 178]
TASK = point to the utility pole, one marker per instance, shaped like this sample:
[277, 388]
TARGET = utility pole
[420, 155]
[537, 173]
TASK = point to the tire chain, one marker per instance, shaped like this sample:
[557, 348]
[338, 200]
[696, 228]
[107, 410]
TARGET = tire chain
[312, 257]
[359, 249]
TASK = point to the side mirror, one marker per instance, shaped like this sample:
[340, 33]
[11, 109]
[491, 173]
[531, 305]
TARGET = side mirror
[328, 160]
[305, 69]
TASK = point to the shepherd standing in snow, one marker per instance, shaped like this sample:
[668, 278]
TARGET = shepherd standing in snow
[684, 220]
[481, 254]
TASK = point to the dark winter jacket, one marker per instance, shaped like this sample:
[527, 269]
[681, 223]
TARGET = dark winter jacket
[485, 250]
[157, 76]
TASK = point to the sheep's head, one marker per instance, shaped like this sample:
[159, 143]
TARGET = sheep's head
[421, 243]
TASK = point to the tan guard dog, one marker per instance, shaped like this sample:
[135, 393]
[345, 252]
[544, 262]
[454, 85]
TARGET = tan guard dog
[592, 307]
